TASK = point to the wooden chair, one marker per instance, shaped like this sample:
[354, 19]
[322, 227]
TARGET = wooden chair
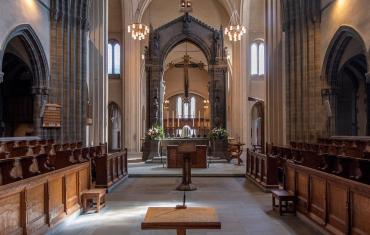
[285, 199]
[97, 195]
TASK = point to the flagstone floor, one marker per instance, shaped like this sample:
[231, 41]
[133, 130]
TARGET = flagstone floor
[242, 208]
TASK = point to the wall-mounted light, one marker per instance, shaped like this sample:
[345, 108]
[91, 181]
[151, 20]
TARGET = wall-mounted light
[186, 6]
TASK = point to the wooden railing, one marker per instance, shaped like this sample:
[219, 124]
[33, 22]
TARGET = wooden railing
[33, 205]
[110, 168]
[331, 181]
[262, 169]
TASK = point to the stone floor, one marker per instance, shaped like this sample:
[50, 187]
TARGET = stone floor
[214, 169]
[242, 208]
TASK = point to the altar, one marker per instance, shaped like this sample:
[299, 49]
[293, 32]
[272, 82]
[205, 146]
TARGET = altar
[164, 143]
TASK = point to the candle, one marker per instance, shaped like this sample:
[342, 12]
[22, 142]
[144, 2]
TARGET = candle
[173, 119]
[168, 119]
[178, 122]
[193, 121]
[199, 119]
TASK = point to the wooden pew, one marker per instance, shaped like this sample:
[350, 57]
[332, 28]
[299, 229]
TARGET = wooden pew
[338, 205]
[262, 169]
[110, 169]
[33, 205]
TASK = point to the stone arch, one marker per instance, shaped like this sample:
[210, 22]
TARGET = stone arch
[345, 69]
[196, 40]
[39, 85]
[336, 48]
[143, 5]
[35, 52]
[209, 40]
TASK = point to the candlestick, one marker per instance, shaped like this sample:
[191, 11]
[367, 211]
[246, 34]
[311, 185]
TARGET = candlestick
[173, 119]
[168, 119]
[199, 119]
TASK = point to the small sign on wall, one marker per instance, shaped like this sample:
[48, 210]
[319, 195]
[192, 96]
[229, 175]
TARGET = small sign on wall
[52, 116]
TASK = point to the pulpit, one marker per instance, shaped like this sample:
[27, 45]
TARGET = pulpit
[198, 159]
[186, 149]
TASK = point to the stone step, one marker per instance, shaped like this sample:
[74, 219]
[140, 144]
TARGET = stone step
[159, 160]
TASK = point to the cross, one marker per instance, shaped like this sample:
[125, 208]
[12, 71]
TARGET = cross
[186, 65]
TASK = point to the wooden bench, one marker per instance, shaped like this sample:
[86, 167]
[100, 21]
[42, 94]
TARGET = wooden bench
[97, 195]
[284, 198]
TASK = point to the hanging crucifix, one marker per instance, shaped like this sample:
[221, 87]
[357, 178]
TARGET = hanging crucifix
[186, 65]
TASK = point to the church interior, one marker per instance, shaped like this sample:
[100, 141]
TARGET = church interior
[184, 117]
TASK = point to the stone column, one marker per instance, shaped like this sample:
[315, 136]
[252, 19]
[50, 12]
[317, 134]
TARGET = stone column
[1, 77]
[217, 94]
[275, 100]
[131, 85]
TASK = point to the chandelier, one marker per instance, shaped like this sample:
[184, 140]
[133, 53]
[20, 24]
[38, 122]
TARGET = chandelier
[235, 31]
[138, 31]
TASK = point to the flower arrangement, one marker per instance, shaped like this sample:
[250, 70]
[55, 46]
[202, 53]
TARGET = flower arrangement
[218, 133]
[154, 133]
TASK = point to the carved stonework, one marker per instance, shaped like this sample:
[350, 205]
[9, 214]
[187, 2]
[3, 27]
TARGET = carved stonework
[209, 40]
[367, 75]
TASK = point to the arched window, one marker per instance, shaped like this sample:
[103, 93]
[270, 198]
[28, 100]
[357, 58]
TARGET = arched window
[179, 107]
[261, 59]
[192, 107]
[114, 58]
[186, 110]
[117, 59]
[254, 58]
[258, 58]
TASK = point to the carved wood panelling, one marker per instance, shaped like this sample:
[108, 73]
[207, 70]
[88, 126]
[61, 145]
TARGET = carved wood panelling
[302, 191]
[31, 205]
[360, 214]
[36, 208]
[71, 192]
[339, 205]
[10, 214]
[317, 199]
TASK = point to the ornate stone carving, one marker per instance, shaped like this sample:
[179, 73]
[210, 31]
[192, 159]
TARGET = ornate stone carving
[367, 75]
[209, 40]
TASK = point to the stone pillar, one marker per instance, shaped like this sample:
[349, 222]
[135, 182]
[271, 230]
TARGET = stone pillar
[98, 77]
[367, 76]
[131, 86]
[217, 94]
[1, 77]
[275, 108]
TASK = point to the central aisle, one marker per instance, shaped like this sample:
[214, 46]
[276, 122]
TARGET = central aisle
[243, 209]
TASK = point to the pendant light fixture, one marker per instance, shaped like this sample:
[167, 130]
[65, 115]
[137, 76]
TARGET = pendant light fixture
[234, 31]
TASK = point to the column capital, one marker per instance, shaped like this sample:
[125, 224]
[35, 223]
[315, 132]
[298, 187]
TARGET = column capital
[1, 77]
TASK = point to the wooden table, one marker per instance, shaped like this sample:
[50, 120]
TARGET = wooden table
[158, 218]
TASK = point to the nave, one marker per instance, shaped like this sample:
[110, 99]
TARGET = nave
[242, 207]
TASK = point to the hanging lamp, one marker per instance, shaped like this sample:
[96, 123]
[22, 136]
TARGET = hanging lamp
[234, 31]
[138, 31]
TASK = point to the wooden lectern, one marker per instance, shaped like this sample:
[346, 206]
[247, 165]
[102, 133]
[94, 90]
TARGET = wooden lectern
[186, 149]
